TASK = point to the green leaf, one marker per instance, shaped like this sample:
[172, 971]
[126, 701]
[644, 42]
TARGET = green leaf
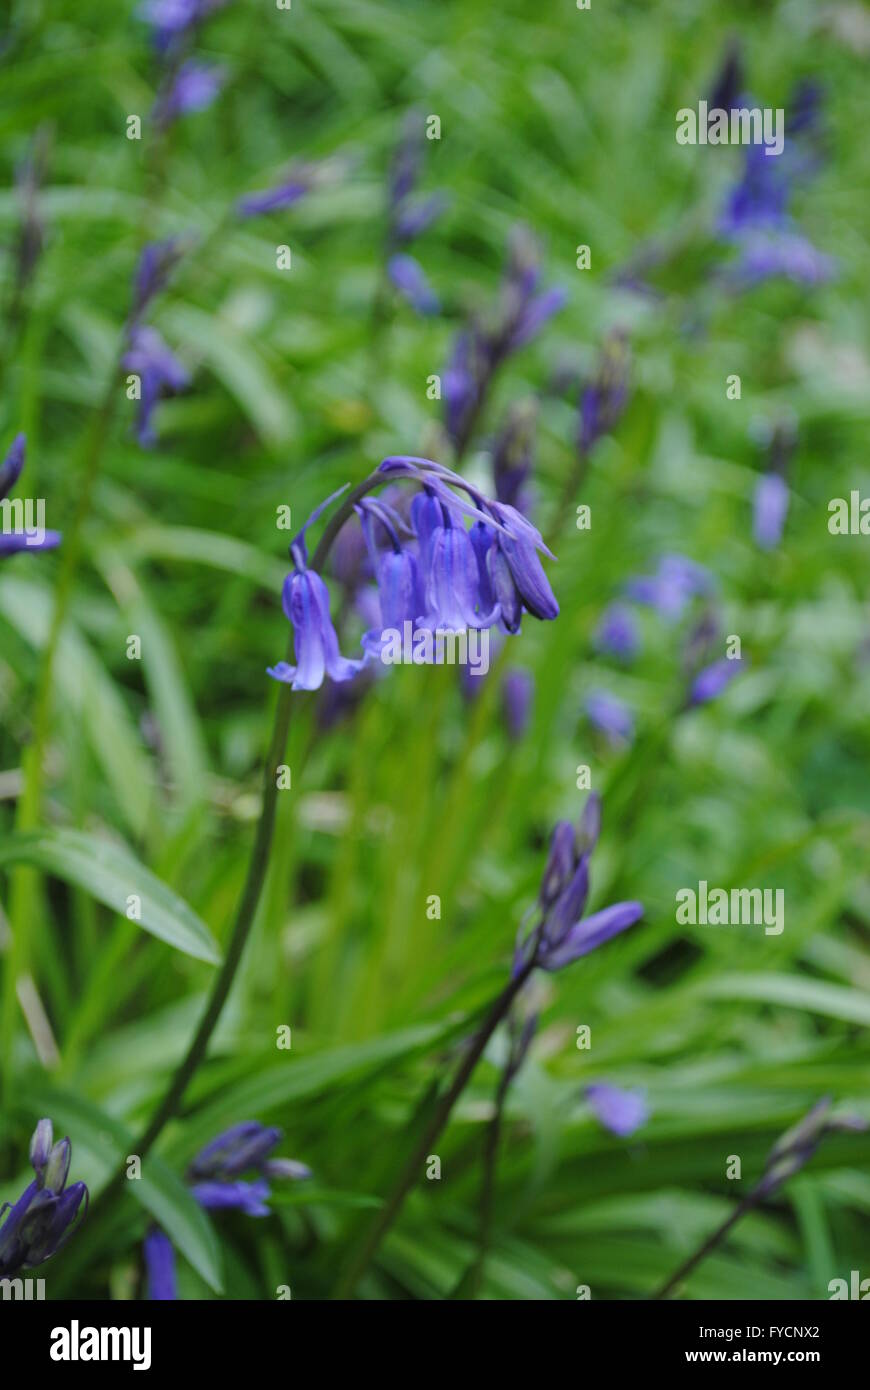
[111, 874]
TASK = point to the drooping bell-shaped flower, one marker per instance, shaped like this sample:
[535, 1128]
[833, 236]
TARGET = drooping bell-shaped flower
[713, 679]
[305, 599]
[243, 1146]
[453, 597]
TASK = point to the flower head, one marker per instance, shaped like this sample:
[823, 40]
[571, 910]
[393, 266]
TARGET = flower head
[192, 88]
[160, 373]
[620, 1111]
[43, 1218]
[562, 934]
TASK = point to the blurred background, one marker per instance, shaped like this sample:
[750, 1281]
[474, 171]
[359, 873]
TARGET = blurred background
[301, 379]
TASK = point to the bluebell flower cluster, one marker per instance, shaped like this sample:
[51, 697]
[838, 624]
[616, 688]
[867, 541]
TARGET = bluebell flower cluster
[409, 216]
[15, 540]
[481, 348]
[435, 574]
[216, 1179]
[45, 1215]
[561, 933]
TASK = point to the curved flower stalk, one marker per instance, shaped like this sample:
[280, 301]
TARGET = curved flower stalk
[215, 1180]
[788, 1156]
[559, 936]
[480, 349]
[44, 1217]
[434, 575]
[20, 536]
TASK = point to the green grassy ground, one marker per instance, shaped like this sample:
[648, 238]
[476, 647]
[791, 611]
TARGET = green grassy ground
[563, 120]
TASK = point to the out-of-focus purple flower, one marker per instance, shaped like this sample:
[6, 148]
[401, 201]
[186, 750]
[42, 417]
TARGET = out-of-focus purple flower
[159, 372]
[562, 934]
[412, 219]
[604, 397]
[25, 532]
[173, 20]
[283, 195]
[709, 683]
[159, 1254]
[409, 278]
[610, 716]
[518, 690]
[44, 1217]
[249, 1197]
[31, 229]
[156, 264]
[770, 510]
[479, 350]
[676, 581]
[620, 1111]
[617, 633]
[192, 88]
[756, 216]
[512, 455]
[246, 1145]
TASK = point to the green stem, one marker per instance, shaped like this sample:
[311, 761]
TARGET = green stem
[251, 892]
[411, 1171]
[710, 1243]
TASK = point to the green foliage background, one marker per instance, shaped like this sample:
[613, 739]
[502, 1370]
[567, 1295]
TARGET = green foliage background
[563, 120]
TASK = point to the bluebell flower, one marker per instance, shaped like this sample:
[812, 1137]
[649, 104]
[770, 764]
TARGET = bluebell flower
[159, 371]
[159, 1255]
[713, 679]
[675, 583]
[215, 1180]
[604, 397]
[610, 716]
[44, 1217]
[518, 690]
[562, 934]
[247, 1197]
[305, 599]
[756, 217]
[20, 536]
[410, 280]
[283, 195]
[620, 1111]
[770, 509]
[480, 349]
[617, 633]
[512, 455]
[155, 265]
[173, 20]
[400, 591]
[192, 88]
[408, 219]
